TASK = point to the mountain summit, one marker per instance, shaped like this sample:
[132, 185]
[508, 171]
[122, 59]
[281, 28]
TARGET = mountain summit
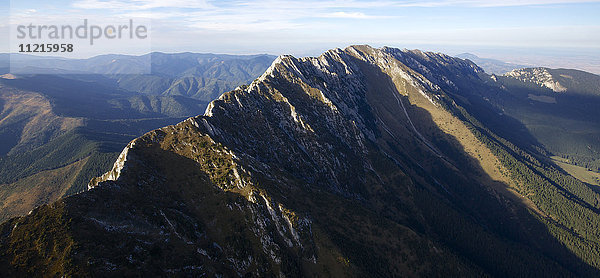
[359, 162]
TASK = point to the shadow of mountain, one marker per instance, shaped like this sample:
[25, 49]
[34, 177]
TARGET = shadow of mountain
[495, 228]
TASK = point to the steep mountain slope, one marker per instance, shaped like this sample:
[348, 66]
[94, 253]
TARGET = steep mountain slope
[570, 205]
[359, 162]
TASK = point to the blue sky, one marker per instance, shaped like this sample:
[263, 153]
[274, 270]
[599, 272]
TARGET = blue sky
[488, 28]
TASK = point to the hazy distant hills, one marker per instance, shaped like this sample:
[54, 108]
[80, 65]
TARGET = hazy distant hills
[361, 162]
[491, 65]
[200, 76]
[60, 129]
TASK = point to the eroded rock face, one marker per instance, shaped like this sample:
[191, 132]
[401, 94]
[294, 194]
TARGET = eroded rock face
[539, 76]
[326, 166]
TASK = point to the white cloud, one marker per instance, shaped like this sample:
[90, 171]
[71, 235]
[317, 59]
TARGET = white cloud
[240, 22]
[353, 15]
[353, 4]
[271, 14]
[139, 4]
[486, 3]
[264, 26]
[314, 4]
[153, 15]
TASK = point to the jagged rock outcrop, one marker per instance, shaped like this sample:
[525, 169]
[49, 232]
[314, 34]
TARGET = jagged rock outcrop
[539, 76]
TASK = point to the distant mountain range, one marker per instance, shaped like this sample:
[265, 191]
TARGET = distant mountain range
[58, 130]
[491, 65]
[361, 162]
[200, 76]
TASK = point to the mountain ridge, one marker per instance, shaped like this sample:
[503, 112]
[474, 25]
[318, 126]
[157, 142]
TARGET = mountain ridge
[358, 162]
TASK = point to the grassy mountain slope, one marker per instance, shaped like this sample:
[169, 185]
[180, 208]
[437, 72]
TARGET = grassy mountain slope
[20, 197]
[27, 121]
